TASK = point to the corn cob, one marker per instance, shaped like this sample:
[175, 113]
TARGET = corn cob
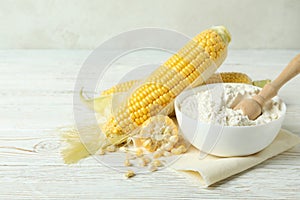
[157, 131]
[195, 61]
[229, 77]
[223, 77]
[235, 77]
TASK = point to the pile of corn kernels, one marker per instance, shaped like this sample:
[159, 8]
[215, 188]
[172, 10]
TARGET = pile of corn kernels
[158, 138]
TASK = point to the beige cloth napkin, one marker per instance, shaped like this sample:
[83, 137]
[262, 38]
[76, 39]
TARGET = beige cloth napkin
[212, 169]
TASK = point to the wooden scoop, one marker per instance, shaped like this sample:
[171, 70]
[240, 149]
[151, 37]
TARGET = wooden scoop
[253, 107]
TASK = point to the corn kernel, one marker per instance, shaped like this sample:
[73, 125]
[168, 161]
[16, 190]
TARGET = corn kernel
[129, 174]
[182, 148]
[173, 139]
[123, 149]
[139, 152]
[168, 146]
[167, 131]
[100, 152]
[111, 148]
[147, 143]
[176, 151]
[146, 159]
[152, 168]
[157, 154]
[166, 153]
[179, 150]
[157, 163]
[127, 163]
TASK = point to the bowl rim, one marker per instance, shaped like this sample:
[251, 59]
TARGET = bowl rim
[199, 88]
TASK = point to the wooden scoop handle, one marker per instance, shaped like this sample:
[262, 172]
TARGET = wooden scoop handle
[270, 90]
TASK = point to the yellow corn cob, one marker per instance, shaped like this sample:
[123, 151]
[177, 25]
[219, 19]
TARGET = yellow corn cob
[195, 61]
[235, 77]
[223, 77]
[229, 77]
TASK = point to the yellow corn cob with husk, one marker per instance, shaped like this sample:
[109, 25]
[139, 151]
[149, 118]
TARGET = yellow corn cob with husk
[223, 77]
[194, 63]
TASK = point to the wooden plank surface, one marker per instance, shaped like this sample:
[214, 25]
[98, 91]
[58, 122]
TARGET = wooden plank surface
[36, 97]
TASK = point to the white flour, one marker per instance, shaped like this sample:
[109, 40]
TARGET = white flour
[214, 106]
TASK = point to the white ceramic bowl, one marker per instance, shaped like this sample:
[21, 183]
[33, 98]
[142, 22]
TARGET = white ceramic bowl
[225, 141]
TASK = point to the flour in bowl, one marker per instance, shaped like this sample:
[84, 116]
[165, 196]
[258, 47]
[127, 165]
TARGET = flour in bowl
[215, 105]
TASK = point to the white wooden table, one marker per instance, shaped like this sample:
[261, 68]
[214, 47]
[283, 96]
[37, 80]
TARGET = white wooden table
[36, 91]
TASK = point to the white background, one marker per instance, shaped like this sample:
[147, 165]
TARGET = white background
[81, 24]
